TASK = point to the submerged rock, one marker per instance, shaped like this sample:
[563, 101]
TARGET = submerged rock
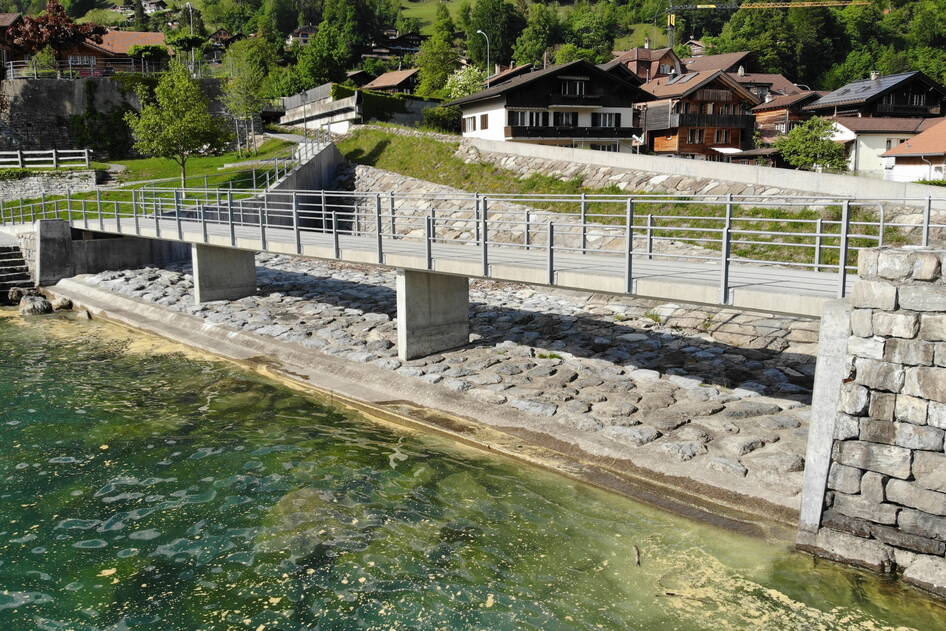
[35, 305]
[61, 303]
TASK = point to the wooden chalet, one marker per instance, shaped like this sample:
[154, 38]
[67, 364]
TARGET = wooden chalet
[908, 94]
[402, 81]
[727, 62]
[704, 115]
[765, 85]
[781, 114]
[650, 63]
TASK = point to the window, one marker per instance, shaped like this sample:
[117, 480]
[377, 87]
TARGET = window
[708, 108]
[889, 144]
[565, 119]
[726, 108]
[484, 121]
[695, 136]
[918, 100]
[611, 146]
[528, 119]
[888, 99]
[605, 119]
[722, 136]
[469, 123]
[573, 87]
[664, 68]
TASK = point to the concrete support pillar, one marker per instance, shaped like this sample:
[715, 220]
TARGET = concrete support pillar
[54, 260]
[222, 273]
[432, 313]
[830, 371]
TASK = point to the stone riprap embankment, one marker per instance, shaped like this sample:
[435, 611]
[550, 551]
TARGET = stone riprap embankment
[725, 393]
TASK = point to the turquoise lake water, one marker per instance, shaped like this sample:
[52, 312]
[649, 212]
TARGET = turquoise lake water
[146, 487]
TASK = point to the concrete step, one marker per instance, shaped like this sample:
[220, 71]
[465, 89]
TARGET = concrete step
[7, 285]
[9, 269]
[10, 259]
[14, 276]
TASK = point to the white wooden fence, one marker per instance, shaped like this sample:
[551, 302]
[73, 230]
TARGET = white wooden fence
[49, 159]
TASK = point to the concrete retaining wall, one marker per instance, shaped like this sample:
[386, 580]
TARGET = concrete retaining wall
[875, 495]
[52, 183]
[632, 172]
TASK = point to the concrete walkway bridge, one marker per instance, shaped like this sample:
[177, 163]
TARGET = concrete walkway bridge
[720, 250]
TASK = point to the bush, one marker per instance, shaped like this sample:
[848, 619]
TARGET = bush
[932, 182]
[443, 118]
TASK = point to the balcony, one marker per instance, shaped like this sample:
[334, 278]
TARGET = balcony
[712, 120]
[908, 110]
[557, 99]
[571, 132]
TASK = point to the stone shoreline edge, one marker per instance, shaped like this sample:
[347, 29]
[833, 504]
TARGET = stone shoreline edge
[392, 398]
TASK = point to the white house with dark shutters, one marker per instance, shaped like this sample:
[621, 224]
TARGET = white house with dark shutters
[577, 104]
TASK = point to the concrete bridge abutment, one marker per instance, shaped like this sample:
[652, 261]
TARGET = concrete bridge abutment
[222, 273]
[432, 313]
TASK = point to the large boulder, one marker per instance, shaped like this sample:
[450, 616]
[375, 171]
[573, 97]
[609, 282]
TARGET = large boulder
[34, 304]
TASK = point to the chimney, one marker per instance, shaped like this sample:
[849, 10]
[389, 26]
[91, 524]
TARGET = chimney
[874, 75]
[646, 42]
[742, 71]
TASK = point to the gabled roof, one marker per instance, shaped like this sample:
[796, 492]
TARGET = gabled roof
[640, 54]
[880, 125]
[931, 142]
[678, 86]
[7, 19]
[724, 61]
[777, 82]
[508, 74]
[120, 42]
[867, 90]
[391, 79]
[620, 70]
[788, 100]
[526, 79]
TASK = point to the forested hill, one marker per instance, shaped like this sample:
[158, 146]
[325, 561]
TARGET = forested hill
[819, 47]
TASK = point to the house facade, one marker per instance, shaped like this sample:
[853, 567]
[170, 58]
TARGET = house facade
[703, 115]
[781, 114]
[576, 105]
[400, 81]
[869, 139]
[922, 157]
[908, 94]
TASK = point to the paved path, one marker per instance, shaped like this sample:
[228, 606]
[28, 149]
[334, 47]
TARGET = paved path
[766, 288]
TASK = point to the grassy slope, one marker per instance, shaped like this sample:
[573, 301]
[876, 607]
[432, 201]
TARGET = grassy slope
[638, 34]
[156, 168]
[432, 160]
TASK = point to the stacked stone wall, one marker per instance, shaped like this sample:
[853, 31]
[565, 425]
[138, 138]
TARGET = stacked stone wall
[885, 505]
[51, 183]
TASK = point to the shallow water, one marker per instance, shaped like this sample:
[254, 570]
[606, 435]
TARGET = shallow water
[147, 487]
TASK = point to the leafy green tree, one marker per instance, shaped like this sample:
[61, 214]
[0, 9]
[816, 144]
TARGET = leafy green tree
[569, 53]
[501, 22]
[443, 23]
[809, 146]
[177, 123]
[541, 33]
[437, 59]
[327, 56]
[282, 81]
[465, 81]
[592, 27]
[407, 25]
[245, 67]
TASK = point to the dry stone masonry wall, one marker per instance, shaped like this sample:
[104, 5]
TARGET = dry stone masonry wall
[885, 507]
[52, 183]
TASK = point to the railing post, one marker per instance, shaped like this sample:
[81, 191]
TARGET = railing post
[629, 248]
[428, 234]
[254, 179]
[157, 222]
[525, 236]
[337, 249]
[295, 223]
[134, 210]
[927, 213]
[650, 236]
[433, 217]
[391, 209]
[324, 215]
[86, 153]
[819, 226]
[842, 253]
[177, 214]
[98, 208]
[230, 218]
[880, 240]
[378, 231]
[19, 158]
[550, 261]
[724, 260]
[55, 159]
[202, 218]
[476, 218]
[263, 215]
[118, 219]
[584, 222]
[484, 234]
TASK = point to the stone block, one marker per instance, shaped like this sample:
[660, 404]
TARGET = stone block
[854, 399]
[867, 347]
[923, 297]
[922, 524]
[874, 294]
[879, 375]
[911, 409]
[876, 431]
[928, 573]
[872, 487]
[867, 263]
[915, 496]
[926, 382]
[909, 352]
[889, 459]
[926, 266]
[846, 427]
[882, 405]
[939, 356]
[919, 437]
[936, 415]
[838, 521]
[862, 508]
[861, 322]
[895, 264]
[887, 324]
[933, 327]
[844, 479]
[840, 546]
[896, 537]
[929, 470]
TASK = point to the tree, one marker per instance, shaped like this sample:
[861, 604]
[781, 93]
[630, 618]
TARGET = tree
[569, 53]
[437, 59]
[54, 29]
[465, 82]
[443, 23]
[809, 146]
[245, 69]
[541, 32]
[327, 56]
[501, 22]
[177, 123]
[592, 27]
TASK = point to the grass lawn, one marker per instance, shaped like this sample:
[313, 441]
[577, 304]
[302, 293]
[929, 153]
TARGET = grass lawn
[157, 168]
[434, 161]
[640, 32]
